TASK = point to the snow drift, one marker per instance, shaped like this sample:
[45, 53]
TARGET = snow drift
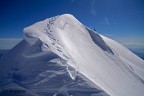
[62, 56]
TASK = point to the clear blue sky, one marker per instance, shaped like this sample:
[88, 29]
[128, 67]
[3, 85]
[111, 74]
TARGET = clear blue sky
[122, 20]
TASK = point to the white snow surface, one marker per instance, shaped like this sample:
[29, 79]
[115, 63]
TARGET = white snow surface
[102, 60]
[119, 74]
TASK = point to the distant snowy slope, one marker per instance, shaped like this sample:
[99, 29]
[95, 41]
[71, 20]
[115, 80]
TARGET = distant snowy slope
[62, 47]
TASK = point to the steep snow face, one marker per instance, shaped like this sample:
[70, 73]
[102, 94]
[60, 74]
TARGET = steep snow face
[66, 43]
[98, 59]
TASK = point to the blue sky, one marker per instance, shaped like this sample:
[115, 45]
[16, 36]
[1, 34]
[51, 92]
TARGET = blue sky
[122, 20]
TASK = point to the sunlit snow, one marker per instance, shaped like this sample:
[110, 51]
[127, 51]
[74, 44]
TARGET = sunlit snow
[61, 57]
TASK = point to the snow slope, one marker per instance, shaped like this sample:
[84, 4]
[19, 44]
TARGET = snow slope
[62, 47]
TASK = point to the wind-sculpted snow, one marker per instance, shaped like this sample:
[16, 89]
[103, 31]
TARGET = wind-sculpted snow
[99, 41]
[61, 57]
[42, 73]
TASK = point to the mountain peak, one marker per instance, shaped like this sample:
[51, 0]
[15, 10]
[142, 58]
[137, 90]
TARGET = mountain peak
[61, 47]
[67, 15]
[49, 24]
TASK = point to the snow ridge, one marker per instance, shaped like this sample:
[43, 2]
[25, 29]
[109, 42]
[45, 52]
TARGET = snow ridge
[61, 48]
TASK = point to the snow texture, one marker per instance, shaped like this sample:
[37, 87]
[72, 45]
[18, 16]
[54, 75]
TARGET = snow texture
[61, 57]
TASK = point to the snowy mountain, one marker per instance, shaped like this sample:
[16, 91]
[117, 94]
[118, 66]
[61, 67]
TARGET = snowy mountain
[61, 57]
